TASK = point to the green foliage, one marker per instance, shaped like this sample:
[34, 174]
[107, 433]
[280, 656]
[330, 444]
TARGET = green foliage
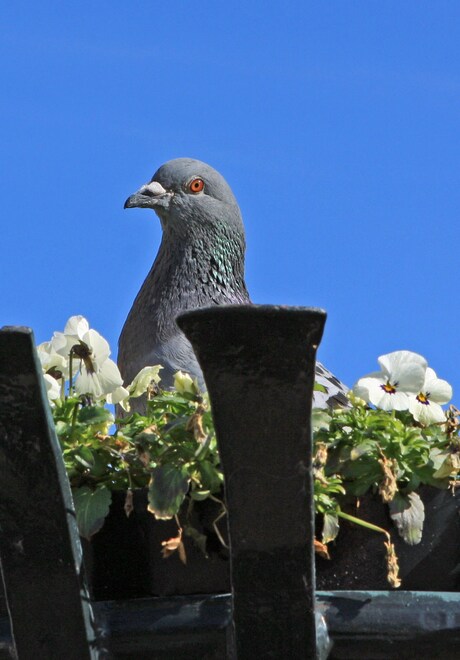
[91, 506]
[359, 438]
[167, 490]
[172, 450]
[408, 514]
[388, 453]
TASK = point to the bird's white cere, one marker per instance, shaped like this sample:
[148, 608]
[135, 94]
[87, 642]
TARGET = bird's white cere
[153, 187]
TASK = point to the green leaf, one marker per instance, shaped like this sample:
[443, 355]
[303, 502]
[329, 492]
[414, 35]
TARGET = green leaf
[320, 419]
[198, 538]
[94, 415]
[167, 489]
[84, 455]
[330, 527]
[211, 478]
[200, 495]
[92, 507]
[408, 514]
[360, 450]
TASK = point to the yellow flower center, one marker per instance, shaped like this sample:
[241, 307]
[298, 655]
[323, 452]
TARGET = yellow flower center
[423, 398]
[388, 388]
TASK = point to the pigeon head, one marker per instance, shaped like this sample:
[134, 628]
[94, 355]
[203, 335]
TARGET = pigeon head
[189, 197]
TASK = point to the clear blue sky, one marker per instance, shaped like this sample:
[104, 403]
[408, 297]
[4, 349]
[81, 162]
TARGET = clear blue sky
[337, 124]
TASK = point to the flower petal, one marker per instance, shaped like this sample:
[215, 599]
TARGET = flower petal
[436, 389]
[386, 401]
[53, 388]
[362, 387]
[426, 413]
[404, 368]
[100, 383]
[118, 395]
[99, 346]
[76, 326]
[49, 359]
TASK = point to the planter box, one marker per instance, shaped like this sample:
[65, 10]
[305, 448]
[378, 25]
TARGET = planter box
[124, 558]
[125, 561]
[358, 555]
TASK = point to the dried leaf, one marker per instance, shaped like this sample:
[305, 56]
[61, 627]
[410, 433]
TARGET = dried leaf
[452, 424]
[171, 545]
[128, 507]
[195, 424]
[321, 549]
[320, 457]
[144, 457]
[392, 566]
[388, 486]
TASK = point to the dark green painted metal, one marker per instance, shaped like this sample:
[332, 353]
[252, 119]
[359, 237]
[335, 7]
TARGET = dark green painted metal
[258, 363]
[382, 625]
[363, 626]
[39, 548]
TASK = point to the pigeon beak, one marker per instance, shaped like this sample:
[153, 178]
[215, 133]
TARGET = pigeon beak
[152, 195]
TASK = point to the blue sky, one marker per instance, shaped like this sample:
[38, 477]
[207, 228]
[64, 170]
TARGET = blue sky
[336, 124]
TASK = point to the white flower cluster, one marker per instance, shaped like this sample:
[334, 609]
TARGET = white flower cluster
[80, 355]
[405, 382]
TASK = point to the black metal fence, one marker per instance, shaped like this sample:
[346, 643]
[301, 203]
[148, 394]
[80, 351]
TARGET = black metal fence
[258, 364]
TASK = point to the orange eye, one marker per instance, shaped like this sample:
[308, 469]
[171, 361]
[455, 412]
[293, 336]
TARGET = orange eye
[196, 185]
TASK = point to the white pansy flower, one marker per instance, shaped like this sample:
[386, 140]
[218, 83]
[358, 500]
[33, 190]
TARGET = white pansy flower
[185, 384]
[75, 330]
[52, 361]
[98, 375]
[425, 406]
[53, 389]
[89, 354]
[143, 380]
[76, 325]
[402, 373]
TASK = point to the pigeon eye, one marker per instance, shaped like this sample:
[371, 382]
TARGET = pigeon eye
[196, 185]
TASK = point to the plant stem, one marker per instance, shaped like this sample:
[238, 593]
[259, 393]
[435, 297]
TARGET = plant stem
[363, 523]
[70, 371]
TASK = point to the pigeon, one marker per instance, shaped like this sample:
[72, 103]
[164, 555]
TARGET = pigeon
[200, 263]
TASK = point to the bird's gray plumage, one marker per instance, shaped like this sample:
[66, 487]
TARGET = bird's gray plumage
[200, 263]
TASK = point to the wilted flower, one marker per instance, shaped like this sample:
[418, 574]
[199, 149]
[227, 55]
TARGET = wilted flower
[425, 406]
[403, 373]
[185, 384]
[144, 380]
